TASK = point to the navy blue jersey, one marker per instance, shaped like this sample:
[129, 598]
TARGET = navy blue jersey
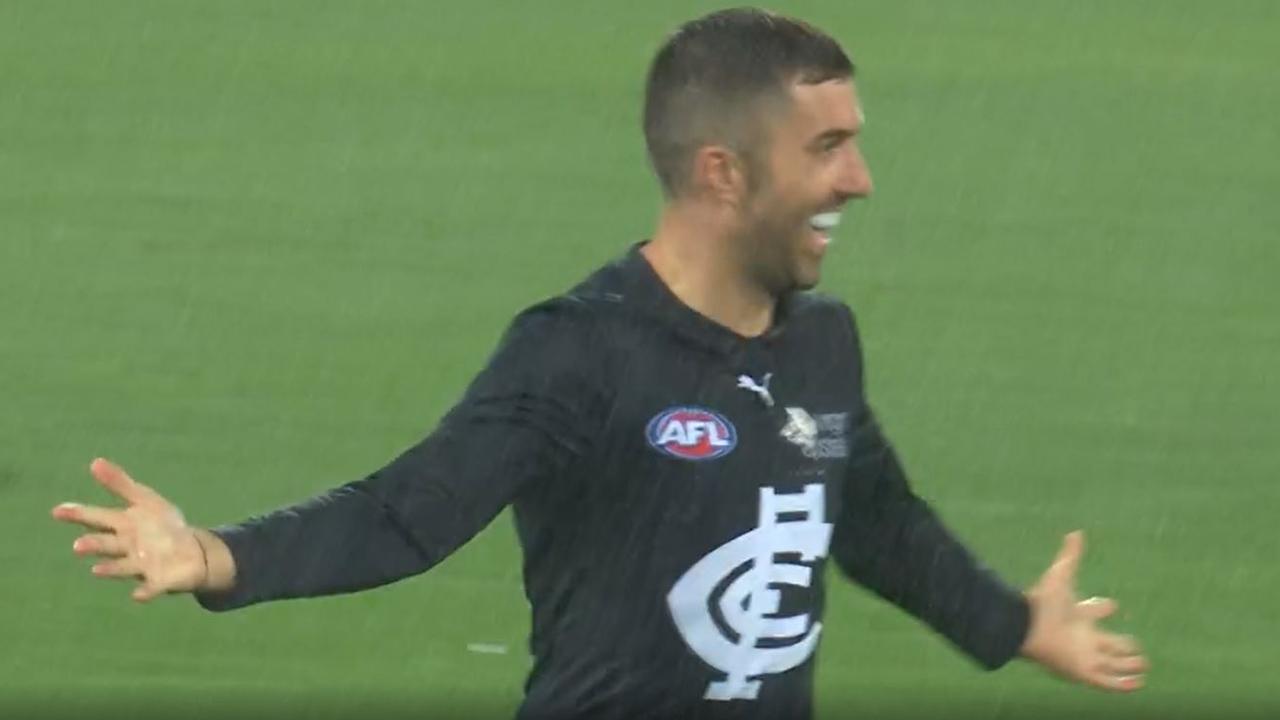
[677, 490]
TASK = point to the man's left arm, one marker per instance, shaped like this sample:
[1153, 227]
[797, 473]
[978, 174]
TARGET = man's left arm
[889, 540]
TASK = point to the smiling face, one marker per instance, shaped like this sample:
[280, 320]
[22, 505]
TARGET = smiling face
[807, 168]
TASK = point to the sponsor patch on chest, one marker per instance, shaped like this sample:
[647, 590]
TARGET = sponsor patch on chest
[818, 436]
[691, 433]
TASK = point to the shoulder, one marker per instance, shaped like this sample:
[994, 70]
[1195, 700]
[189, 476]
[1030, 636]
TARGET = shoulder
[548, 334]
[544, 352]
[571, 319]
[580, 314]
[814, 304]
[566, 336]
[828, 315]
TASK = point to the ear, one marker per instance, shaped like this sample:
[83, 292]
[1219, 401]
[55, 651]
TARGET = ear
[720, 173]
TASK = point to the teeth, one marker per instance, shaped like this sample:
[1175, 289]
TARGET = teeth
[825, 221]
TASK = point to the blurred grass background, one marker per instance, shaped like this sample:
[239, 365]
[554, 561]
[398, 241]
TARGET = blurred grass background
[252, 250]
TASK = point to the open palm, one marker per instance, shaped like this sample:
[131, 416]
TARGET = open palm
[1065, 635]
[147, 540]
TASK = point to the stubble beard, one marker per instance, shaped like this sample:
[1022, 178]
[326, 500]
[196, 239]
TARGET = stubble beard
[766, 260]
[773, 245]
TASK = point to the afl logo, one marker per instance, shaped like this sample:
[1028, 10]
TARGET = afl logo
[691, 433]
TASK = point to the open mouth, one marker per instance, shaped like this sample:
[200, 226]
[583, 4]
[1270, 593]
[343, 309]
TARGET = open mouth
[824, 222]
[822, 225]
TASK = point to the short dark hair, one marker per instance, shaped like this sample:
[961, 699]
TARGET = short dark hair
[708, 79]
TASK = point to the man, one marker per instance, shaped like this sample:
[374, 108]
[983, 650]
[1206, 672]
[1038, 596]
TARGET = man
[684, 438]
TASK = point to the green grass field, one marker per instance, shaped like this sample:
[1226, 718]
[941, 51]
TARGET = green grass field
[252, 250]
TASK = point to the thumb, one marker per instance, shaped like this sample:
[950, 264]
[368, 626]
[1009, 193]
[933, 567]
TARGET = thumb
[1067, 563]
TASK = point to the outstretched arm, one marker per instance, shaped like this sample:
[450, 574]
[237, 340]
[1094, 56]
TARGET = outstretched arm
[526, 415]
[148, 539]
[889, 540]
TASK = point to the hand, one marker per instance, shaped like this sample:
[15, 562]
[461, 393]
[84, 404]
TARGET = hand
[148, 540]
[1065, 637]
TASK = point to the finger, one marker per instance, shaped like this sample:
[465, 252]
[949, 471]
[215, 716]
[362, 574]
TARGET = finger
[105, 544]
[1097, 608]
[1118, 683]
[125, 567]
[1131, 682]
[89, 516]
[146, 592]
[1125, 666]
[1125, 683]
[115, 479]
[1119, 645]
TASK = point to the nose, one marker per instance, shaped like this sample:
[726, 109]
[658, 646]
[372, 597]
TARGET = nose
[855, 177]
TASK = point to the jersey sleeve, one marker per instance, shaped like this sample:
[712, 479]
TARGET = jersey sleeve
[890, 541]
[522, 420]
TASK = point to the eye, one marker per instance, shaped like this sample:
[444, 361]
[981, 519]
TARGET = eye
[826, 146]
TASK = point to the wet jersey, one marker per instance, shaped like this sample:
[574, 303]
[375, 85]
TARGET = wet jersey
[677, 490]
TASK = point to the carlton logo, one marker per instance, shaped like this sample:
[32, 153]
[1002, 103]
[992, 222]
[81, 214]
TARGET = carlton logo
[692, 433]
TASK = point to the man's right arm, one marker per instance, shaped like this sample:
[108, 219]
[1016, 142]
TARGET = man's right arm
[523, 419]
[533, 409]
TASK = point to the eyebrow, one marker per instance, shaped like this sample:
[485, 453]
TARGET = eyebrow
[836, 134]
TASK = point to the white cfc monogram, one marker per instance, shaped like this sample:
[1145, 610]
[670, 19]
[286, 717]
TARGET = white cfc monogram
[748, 606]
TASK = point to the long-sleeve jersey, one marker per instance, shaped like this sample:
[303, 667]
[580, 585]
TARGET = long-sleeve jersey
[677, 489]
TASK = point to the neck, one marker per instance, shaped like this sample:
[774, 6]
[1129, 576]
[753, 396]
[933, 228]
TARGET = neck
[700, 267]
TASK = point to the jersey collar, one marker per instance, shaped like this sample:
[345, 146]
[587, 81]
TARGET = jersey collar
[647, 293]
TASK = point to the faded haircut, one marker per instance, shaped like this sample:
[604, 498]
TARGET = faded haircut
[712, 80]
